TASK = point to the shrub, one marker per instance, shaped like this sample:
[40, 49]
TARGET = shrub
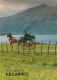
[55, 64]
[44, 64]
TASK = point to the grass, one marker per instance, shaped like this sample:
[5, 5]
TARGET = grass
[39, 67]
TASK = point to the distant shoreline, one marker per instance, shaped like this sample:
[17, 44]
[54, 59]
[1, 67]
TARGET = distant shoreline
[39, 38]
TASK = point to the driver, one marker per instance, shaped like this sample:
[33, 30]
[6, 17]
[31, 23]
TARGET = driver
[26, 35]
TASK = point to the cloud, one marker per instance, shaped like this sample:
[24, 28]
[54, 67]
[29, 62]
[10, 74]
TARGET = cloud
[29, 1]
[9, 7]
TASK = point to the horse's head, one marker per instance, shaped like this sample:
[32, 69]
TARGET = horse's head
[9, 35]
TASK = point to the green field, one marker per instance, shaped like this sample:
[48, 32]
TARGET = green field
[39, 66]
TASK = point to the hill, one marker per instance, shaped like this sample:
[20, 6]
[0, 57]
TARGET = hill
[41, 19]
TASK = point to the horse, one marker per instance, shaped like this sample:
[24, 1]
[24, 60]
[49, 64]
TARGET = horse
[12, 39]
[21, 41]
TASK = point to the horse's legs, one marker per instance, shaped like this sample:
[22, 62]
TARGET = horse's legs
[11, 45]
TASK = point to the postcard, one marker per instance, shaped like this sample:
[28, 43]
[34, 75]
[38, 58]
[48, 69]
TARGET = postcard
[28, 39]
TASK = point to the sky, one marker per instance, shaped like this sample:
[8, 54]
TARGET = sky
[11, 7]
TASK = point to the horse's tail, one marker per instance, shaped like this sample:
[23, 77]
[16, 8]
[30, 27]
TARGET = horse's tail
[33, 37]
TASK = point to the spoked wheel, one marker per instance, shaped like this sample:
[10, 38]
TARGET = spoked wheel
[31, 46]
[24, 46]
[28, 46]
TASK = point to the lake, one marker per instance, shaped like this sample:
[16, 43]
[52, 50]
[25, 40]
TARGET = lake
[39, 38]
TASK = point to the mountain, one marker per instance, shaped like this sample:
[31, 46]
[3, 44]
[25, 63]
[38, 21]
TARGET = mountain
[38, 20]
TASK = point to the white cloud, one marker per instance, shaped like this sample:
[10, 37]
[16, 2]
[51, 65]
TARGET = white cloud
[9, 7]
